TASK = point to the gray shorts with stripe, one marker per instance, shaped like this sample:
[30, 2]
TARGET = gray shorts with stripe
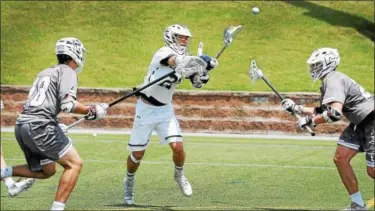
[361, 138]
[41, 143]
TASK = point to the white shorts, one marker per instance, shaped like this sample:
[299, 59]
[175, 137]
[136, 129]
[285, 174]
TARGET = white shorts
[148, 118]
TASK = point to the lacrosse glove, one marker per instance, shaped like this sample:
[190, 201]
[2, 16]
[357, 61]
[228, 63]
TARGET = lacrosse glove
[306, 121]
[212, 63]
[98, 111]
[290, 106]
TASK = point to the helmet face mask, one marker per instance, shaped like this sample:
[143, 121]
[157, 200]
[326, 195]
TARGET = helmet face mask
[74, 48]
[323, 61]
[174, 36]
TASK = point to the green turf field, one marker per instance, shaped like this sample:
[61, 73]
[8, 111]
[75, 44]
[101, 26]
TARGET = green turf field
[122, 36]
[225, 174]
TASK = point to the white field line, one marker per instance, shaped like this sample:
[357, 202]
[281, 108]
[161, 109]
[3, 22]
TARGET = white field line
[248, 165]
[205, 144]
[219, 135]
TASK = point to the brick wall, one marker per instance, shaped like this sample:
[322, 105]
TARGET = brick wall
[197, 111]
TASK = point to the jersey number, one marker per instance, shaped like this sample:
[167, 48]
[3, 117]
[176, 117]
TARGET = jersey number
[38, 91]
[168, 83]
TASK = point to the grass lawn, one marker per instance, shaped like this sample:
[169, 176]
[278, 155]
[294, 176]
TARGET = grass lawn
[121, 37]
[226, 174]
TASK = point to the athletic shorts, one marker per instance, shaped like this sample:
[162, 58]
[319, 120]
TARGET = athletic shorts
[42, 143]
[361, 138]
[149, 118]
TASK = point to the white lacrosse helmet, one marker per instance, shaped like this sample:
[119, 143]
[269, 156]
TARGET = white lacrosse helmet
[170, 38]
[322, 61]
[74, 48]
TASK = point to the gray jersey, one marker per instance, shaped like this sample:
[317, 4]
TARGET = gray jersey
[338, 87]
[50, 86]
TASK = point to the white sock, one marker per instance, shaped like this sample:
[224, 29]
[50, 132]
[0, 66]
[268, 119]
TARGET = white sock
[180, 168]
[58, 205]
[6, 172]
[9, 182]
[357, 198]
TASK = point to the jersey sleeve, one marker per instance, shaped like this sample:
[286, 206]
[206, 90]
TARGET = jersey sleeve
[68, 84]
[334, 91]
[162, 54]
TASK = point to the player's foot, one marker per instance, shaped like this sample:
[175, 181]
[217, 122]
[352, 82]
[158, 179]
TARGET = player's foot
[19, 187]
[355, 206]
[183, 182]
[128, 191]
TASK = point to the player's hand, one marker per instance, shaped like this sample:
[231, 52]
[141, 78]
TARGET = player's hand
[212, 62]
[199, 80]
[98, 111]
[63, 127]
[2, 105]
[189, 65]
[305, 121]
[290, 106]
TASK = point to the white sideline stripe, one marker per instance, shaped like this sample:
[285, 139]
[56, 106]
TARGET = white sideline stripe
[208, 164]
[219, 135]
[210, 144]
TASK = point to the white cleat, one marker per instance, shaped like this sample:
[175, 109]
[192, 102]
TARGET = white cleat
[19, 187]
[183, 183]
[128, 191]
[355, 206]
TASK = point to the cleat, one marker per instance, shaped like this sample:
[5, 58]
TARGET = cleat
[355, 206]
[21, 186]
[184, 184]
[128, 191]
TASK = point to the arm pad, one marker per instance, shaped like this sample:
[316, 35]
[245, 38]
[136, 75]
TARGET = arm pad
[68, 104]
[331, 114]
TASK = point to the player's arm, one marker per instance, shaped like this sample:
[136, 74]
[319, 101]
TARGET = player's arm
[332, 113]
[332, 103]
[68, 101]
[290, 106]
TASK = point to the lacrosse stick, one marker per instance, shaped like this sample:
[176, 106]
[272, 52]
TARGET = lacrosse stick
[229, 34]
[256, 73]
[125, 97]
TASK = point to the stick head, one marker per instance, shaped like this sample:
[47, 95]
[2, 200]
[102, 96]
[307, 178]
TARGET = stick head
[254, 72]
[230, 33]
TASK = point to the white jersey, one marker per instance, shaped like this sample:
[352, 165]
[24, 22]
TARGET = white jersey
[163, 91]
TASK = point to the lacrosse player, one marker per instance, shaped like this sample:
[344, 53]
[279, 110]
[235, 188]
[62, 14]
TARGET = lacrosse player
[37, 129]
[154, 110]
[14, 188]
[341, 96]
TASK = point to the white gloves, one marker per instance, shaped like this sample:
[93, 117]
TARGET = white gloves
[212, 62]
[306, 121]
[290, 106]
[98, 111]
[2, 105]
[199, 80]
[188, 65]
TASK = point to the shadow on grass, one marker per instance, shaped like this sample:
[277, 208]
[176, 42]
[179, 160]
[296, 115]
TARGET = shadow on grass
[140, 206]
[337, 18]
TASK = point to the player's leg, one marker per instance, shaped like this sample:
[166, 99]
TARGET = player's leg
[33, 168]
[143, 126]
[9, 182]
[72, 164]
[169, 132]
[348, 145]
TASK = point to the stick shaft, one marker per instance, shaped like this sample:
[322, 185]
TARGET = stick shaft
[282, 98]
[221, 51]
[126, 96]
